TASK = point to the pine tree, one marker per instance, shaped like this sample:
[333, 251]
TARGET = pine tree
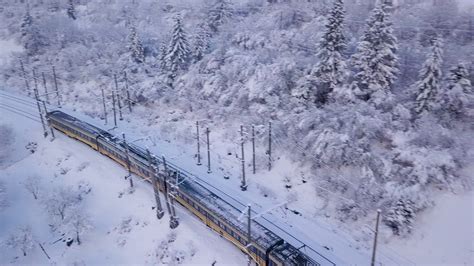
[136, 47]
[459, 90]
[219, 13]
[26, 22]
[71, 11]
[31, 37]
[162, 55]
[375, 61]
[330, 70]
[400, 217]
[201, 42]
[430, 77]
[178, 53]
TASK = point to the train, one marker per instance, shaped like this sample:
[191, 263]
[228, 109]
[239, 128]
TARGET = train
[214, 208]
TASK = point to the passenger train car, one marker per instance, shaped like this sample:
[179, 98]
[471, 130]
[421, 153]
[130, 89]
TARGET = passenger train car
[211, 206]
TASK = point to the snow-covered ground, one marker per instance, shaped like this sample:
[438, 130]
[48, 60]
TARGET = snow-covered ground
[444, 234]
[124, 229]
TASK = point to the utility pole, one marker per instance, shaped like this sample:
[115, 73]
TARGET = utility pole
[249, 232]
[56, 87]
[127, 91]
[38, 105]
[118, 98]
[375, 238]
[153, 169]
[113, 108]
[129, 166]
[208, 152]
[45, 87]
[198, 144]
[47, 119]
[270, 146]
[25, 78]
[174, 222]
[103, 103]
[243, 185]
[253, 149]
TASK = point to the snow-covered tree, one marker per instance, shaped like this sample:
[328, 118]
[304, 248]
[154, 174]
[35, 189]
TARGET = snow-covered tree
[458, 95]
[136, 47]
[401, 216]
[78, 222]
[21, 239]
[330, 71]
[375, 61]
[31, 36]
[178, 53]
[61, 201]
[162, 55]
[201, 42]
[71, 10]
[219, 13]
[428, 85]
[26, 22]
[33, 185]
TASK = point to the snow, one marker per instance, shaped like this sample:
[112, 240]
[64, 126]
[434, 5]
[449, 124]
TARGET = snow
[7, 48]
[125, 229]
[443, 235]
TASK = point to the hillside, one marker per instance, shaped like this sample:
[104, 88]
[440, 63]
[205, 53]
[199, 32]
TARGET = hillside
[384, 121]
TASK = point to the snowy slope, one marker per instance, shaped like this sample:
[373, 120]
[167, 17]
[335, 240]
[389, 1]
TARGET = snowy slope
[125, 229]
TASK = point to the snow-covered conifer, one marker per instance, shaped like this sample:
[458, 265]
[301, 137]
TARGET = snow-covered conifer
[31, 36]
[375, 61]
[330, 70]
[219, 13]
[26, 22]
[162, 55]
[400, 217]
[178, 53]
[201, 42]
[428, 85]
[136, 47]
[459, 90]
[71, 10]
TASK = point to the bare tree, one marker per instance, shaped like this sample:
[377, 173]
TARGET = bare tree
[33, 185]
[60, 201]
[21, 239]
[78, 222]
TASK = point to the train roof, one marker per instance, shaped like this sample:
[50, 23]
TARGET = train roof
[81, 124]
